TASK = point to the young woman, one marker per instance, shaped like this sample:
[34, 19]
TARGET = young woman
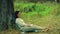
[24, 26]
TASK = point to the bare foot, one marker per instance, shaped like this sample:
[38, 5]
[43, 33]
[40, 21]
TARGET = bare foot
[47, 30]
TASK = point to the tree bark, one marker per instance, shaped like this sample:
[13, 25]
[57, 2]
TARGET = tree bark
[6, 11]
[58, 1]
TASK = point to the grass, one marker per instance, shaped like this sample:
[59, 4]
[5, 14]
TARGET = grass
[38, 8]
[52, 18]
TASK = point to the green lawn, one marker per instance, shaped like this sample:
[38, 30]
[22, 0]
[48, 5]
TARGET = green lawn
[44, 15]
[52, 21]
[49, 16]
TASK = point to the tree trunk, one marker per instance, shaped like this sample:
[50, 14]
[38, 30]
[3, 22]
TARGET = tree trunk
[58, 1]
[6, 11]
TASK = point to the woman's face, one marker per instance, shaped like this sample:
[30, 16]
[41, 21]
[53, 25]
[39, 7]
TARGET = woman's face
[18, 15]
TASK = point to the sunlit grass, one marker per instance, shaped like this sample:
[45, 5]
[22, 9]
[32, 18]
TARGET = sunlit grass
[52, 18]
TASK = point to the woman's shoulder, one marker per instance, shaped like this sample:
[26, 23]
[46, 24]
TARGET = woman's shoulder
[18, 19]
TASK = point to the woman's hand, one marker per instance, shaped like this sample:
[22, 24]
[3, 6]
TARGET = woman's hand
[29, 24]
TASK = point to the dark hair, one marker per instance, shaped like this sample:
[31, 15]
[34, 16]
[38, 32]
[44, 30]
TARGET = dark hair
[16, 14]
[14, 19]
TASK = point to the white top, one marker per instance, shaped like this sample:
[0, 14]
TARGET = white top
[20, 22]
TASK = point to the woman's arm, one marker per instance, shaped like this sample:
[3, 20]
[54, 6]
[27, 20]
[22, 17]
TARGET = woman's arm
[20, 22]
